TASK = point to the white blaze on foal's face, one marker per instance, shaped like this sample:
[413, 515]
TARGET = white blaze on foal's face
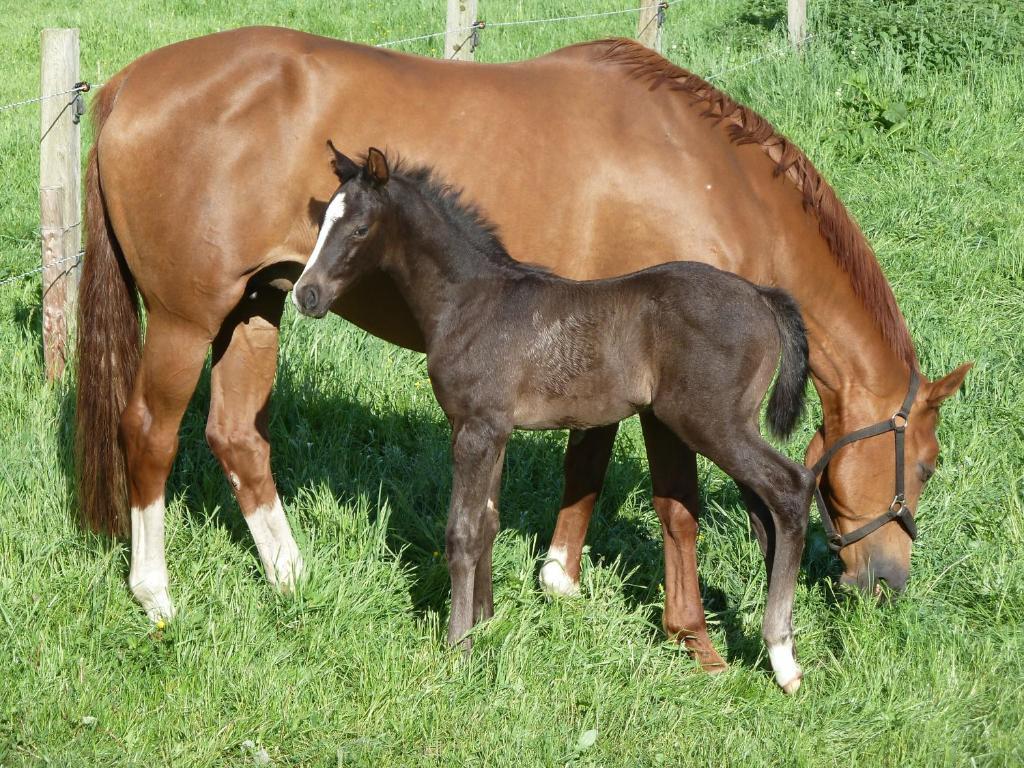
[335, 210]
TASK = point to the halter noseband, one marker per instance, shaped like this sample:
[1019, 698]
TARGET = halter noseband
[898, 509]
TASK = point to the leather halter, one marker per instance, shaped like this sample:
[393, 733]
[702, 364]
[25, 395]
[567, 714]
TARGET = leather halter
[898, 509]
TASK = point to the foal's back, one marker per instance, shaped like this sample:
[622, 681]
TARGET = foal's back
[596, 352]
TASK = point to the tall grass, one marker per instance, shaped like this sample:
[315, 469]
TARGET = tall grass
[924, 146]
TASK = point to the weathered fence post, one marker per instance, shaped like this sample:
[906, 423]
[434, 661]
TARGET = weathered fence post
[797, 22]
[59, 193]
[652, 17]
[55, 325]
[457, 37]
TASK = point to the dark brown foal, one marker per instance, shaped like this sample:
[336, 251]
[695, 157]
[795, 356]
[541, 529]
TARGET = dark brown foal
[510, 346]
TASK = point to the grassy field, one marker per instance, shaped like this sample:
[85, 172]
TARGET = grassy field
[912, 109]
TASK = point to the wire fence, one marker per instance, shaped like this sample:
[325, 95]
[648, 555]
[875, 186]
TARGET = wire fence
[471, 36]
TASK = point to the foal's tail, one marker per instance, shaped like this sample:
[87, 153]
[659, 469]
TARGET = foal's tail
[108, 352]
[787, 400]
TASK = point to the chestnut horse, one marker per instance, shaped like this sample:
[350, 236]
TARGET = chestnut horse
[204, 189]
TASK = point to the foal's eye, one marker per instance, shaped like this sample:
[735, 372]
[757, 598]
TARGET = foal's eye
[361, 231]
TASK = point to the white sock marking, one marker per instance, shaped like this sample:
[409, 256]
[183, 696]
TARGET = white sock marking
[147, 578]
[787, 671]
[554, 579]
[278, 551]
[335, 210]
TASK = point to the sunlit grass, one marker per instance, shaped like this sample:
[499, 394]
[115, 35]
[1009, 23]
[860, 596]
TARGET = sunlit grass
[353, 671]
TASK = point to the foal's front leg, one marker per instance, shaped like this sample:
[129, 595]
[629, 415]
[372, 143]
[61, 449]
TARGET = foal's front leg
[483, 583]
[477, 449]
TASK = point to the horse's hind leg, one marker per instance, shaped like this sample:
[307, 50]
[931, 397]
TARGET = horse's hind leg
[677, 502]
[586, 461]
[244, 363]
[172, 359]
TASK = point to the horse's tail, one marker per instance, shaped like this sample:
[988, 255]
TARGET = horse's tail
[108, 351]
[787, 399]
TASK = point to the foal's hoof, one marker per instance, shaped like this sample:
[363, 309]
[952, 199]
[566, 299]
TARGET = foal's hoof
[788, 673]
[555, 581]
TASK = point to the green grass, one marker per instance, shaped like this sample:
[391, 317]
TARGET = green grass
[353, 672]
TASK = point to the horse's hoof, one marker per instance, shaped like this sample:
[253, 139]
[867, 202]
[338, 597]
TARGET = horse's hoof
[556, 582]
[156, 603]
[288, 574]
[715, 666]
[792, 686]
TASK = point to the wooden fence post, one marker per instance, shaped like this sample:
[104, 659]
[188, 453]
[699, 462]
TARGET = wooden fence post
[457, 37]
[797, 22]
[60, 170]
[648, 26]
[55, 285]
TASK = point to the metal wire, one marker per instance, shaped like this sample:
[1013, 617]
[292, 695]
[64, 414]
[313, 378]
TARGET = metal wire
[77, 89]
[619, 12]
[522, 22]
[769, 55]
[13, 278]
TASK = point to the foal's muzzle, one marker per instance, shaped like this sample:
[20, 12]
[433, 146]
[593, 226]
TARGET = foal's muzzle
[310, 300]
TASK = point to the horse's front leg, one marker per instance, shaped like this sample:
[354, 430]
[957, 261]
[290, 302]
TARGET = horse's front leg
[586, 462]
[244, 363]
[478, 446]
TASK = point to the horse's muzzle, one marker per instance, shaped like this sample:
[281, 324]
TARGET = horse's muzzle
[870, 579]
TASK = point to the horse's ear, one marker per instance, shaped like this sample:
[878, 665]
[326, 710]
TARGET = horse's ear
[946, 387]
[344, 167]
[377, 167]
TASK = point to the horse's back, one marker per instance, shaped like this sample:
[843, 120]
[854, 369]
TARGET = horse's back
[213, 158]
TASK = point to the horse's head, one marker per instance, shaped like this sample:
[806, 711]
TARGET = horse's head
[860, 486]
[350, 239]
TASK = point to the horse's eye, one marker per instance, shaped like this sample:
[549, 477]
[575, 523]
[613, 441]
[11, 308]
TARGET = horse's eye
[361, 231]
[925, 471]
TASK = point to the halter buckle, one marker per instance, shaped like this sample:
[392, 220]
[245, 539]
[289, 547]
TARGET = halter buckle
[899, 421]
[898, 505]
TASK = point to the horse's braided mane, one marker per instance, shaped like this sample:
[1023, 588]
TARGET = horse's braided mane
[847, 243]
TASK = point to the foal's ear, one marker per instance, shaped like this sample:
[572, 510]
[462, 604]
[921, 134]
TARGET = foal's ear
[377, 167]
[344, 167]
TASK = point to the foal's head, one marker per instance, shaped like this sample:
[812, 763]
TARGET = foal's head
[351, 239]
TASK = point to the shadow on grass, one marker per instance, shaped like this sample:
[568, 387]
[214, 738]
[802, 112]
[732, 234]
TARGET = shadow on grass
[399, 457]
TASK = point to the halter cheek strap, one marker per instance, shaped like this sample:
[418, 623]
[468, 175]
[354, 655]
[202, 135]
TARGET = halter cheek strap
[898, 509]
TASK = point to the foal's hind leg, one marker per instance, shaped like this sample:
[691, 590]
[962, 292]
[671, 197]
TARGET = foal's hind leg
[172, 359]
[586, 462]
[762, 525]
[786, 489]
[677, 502]
[244, 363]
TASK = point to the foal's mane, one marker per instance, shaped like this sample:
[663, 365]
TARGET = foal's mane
[849, 247]
[468, 220]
